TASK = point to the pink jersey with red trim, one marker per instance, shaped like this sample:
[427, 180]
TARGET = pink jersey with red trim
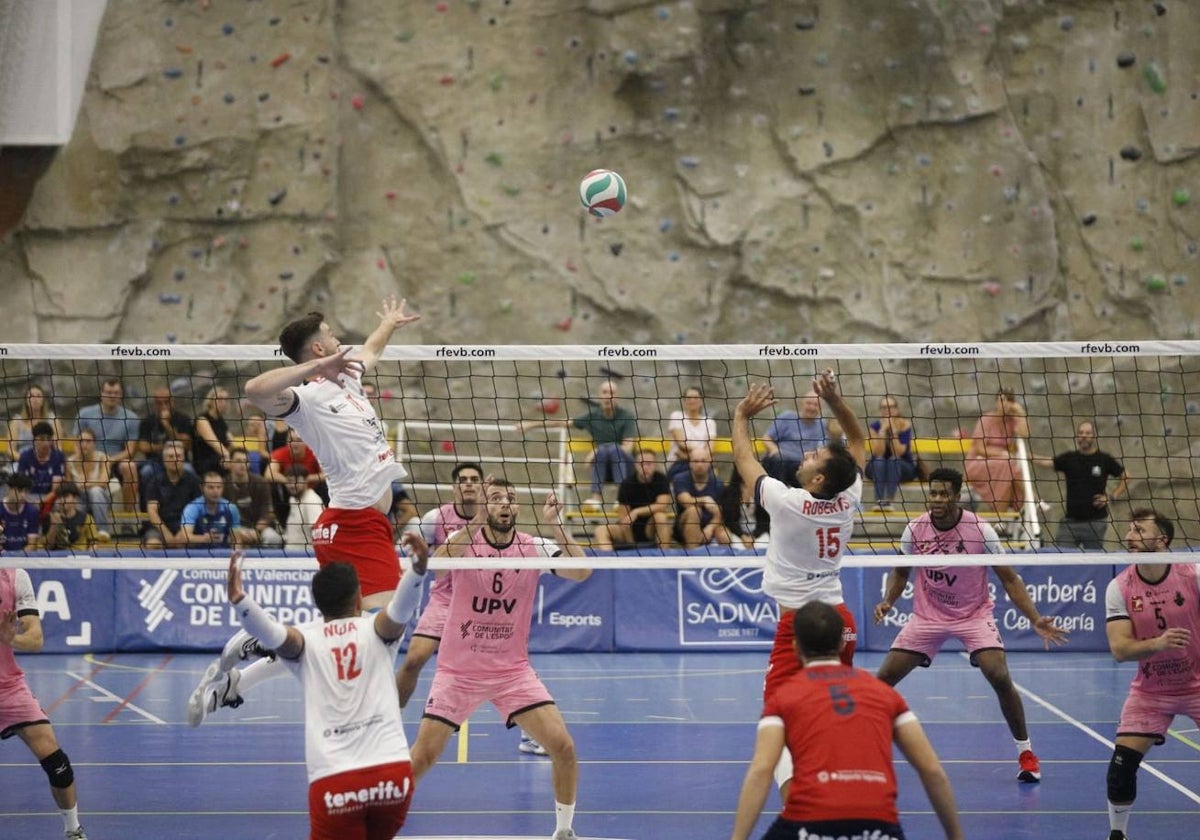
[339, 424]
[1154, 607]
[951, 593]
[487, 629]
[16, 595]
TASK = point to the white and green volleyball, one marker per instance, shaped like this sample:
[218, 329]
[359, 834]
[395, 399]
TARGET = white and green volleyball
[602, 192]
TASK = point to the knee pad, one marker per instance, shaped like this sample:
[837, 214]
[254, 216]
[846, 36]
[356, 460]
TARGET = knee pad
[1122, 775]
[58, 769]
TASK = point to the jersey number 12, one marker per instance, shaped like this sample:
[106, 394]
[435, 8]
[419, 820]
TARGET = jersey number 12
[347, 662]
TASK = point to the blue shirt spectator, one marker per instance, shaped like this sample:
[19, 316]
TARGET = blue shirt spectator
[44, 463]
[115, 426]
[210, 519]
[18, 518]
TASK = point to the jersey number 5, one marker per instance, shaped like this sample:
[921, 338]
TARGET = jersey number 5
[347, 662]
[829, 542]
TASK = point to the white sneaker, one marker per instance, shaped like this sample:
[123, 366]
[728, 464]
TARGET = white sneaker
[530, 746]
[565, 834]
[77, 834]
[241, 647]
[217, 688]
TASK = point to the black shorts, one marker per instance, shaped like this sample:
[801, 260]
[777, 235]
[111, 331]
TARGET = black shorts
[783, 829]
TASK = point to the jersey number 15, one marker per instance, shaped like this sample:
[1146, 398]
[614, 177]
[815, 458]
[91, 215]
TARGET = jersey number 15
[829, 542]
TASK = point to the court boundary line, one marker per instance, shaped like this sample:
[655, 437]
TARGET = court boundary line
[133, 707]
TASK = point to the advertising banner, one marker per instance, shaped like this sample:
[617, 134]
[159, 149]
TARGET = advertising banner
[76, 607]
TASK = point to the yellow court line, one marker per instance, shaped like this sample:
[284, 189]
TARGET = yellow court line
[462, 743]
[1185, 740]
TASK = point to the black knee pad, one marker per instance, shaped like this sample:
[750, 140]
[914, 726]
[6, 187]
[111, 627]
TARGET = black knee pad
[1122, 775]
[58, 769]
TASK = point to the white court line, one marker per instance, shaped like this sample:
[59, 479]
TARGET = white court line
[1096, 736]
[109, 695]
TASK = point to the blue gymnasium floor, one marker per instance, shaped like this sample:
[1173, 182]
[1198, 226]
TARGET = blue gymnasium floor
[662, 739]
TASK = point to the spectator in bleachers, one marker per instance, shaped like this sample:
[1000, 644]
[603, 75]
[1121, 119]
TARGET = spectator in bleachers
[211, 519]
[88, 469]
[116, 430]
[152, 540]
[613, 430]
[19, 525]
[744, 519]
[295, 453]
[210, 446]
[20, 428]
[252, 495]
[991, 469]
[43, 463]
[304, 506]
[691, 427]
[69, 525]
[1086, 471]
[164, 422]
[642, 502]
[167, 495]
[791, 435]
[891, 459]
[698, 517]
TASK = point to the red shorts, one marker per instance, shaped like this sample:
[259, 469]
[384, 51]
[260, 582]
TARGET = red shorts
[785, 662]
[366, 804]
[362, 538]
[18, 708]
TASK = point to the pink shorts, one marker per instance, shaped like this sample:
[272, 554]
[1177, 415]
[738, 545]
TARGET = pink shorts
[1151, 714]
[433, 617]
[19, 708]
[925, 637]
[362, 538]
[452, 699]
[369, 803]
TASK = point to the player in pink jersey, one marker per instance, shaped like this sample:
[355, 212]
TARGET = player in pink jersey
[840, 723]
[486, 658]
[1152, 618]
[359, 769]
[322, 398]
[954, 602]
[810, 526]
[436, 527]
[20, 712]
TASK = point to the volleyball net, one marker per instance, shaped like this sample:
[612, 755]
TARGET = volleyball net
[448, 404]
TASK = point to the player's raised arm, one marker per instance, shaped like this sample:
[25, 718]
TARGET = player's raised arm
[826, 387]
[391, 319]
[744, 458]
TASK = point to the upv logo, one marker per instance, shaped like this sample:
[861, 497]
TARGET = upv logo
[150, 597]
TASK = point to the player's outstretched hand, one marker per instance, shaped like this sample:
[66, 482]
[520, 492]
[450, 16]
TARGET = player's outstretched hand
[393, 313]
[418, 550]
[1050, 632]
[552, 509]
[333, 366]
[825, 384]
[757, 398]
[233, 584]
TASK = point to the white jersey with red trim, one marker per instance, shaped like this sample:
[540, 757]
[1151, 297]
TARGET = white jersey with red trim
[339, 424]
[351, 708]
[808, 539]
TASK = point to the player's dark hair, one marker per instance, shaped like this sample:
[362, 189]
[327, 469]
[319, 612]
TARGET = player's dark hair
[949, 475]
[840, 470]
[1165, 526]
[465, 465]
[294, 338]
[68, 488]
[819, 629]
[19, 481]
[335, 588]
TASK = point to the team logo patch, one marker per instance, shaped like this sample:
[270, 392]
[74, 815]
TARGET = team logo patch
[1136, 604]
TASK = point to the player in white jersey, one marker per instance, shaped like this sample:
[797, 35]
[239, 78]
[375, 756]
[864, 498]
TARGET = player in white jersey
[955, 602]
[321, 397]
[487, 657]
[810, 526]
[359, 769]
[20, 712]
[1152, 618]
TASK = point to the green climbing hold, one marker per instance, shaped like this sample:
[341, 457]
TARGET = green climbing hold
[1155, 77]
[467, 278]
[1181, 196]
[1156, 283]
[1137, 244]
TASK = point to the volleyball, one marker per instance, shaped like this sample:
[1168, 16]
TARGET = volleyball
[602, 192]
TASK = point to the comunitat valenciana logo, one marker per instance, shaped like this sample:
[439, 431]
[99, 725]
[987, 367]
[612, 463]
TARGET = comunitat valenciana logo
[720, 581]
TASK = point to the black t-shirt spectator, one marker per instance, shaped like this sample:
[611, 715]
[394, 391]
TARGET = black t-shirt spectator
[173, 498]
[204, 457]
[636, 494]
[1086, 476]
[151, 430]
